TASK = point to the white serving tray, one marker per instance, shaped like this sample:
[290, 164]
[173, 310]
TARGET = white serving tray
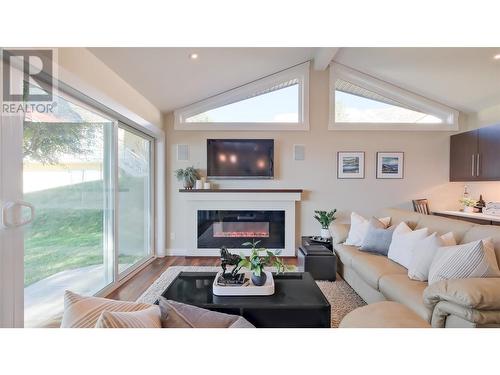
[249, 290]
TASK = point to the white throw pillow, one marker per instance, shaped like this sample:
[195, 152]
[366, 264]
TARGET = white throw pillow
[424, 253]
[473, 259]
[404, 241]
[359, 228]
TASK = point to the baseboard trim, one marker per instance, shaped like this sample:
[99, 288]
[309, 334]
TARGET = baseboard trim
[175, 252]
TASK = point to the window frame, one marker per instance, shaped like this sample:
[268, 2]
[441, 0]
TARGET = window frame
[117, 278]
[95, 99]
[299, 72]
[120, 276]
[339, 71]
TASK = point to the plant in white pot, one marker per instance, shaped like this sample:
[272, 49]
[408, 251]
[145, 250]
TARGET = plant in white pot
[468, 204]
[325, 218]
[188, 175]
[256, 262]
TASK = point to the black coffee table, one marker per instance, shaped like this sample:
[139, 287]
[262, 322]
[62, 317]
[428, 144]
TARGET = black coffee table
[297, 301]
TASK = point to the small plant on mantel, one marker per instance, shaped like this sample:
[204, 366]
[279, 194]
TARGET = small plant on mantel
[188, 175]
[325, 218]
[256, 262]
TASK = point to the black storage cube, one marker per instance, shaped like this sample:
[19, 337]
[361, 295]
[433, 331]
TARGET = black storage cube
[319, 261]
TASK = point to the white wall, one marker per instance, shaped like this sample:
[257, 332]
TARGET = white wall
[487, 116]
[80, 64]
[426, 171]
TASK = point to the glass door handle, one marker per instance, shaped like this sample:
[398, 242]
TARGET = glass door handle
[11, 214]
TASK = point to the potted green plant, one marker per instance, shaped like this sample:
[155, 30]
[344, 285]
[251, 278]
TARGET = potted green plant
[325, 218]
[188, 175]
[468, 204]
[256, 262]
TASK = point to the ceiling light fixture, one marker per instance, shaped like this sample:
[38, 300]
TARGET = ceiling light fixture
[497, 56]
[193, 56]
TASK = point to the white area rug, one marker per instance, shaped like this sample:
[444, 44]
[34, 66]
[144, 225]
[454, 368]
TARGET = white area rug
[340, 295]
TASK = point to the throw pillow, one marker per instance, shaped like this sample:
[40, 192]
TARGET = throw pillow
[404, 242]
[424, 254]
[83, 312]
[359, 227]
[147, 318]
[474, 259]
[180, 315]
[378, 238]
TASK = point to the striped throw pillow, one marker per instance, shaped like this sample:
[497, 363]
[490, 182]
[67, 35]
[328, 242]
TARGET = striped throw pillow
[83, 312]
[474, 259]
[147, 318]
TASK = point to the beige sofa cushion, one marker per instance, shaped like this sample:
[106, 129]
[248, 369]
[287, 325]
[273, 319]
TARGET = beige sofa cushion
[443, 225]
[438, 224]
[448, 314]
[339, 232]
[480, 232]
[398, 216]
[346, 253]
[383, 315]
[372, 267]
[474, 293]
[400, 288]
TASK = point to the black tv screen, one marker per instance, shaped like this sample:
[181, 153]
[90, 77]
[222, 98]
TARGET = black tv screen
[240, 158]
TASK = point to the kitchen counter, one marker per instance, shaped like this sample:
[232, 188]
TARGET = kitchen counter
[473, 216]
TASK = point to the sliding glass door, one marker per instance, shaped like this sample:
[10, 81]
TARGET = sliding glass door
[67, 177]
[89, 178]
[77, 195]
[135, 198]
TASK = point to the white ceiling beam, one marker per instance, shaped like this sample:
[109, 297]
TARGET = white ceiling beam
[323, 57]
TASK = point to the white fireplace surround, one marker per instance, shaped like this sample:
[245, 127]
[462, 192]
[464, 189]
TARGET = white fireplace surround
[263, 200]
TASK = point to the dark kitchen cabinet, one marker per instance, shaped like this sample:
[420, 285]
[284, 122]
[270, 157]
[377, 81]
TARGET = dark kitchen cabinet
[475, 155]
[489, 153]
[463, 153]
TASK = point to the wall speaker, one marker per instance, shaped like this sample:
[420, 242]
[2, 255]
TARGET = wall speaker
[182, 152]
[299, 152]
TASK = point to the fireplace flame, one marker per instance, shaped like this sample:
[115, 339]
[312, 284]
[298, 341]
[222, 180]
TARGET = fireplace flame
[242, 234]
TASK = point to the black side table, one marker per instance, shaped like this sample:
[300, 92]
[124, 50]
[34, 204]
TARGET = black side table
[317, 259]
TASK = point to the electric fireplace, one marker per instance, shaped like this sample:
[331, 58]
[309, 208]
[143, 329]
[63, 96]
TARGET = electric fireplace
[218, 228]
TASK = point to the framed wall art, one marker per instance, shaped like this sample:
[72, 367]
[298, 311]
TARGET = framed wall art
[350, 164]
[390, 165]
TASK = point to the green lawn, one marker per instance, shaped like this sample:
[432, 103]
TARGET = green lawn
[62, 239]
[63, 236]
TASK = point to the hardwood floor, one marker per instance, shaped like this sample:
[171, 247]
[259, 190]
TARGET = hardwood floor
[138, 284]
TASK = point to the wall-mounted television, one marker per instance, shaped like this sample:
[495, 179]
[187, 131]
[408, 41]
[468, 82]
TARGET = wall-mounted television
[240, 158]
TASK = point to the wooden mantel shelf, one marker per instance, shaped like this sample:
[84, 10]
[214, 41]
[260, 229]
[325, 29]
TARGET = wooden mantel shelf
[240, 190]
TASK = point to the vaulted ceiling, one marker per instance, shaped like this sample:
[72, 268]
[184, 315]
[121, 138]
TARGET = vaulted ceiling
[467, 79]
[169, 79]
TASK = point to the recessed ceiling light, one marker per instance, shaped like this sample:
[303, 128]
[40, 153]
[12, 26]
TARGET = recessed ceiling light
[193, 56]
[497, 56]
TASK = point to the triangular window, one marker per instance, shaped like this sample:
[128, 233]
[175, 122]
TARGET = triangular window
[355, 104]
[276, 102]
[362, 101]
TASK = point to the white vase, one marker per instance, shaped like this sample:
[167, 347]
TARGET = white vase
[199, 184]
[468, 209]
[325, 233]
